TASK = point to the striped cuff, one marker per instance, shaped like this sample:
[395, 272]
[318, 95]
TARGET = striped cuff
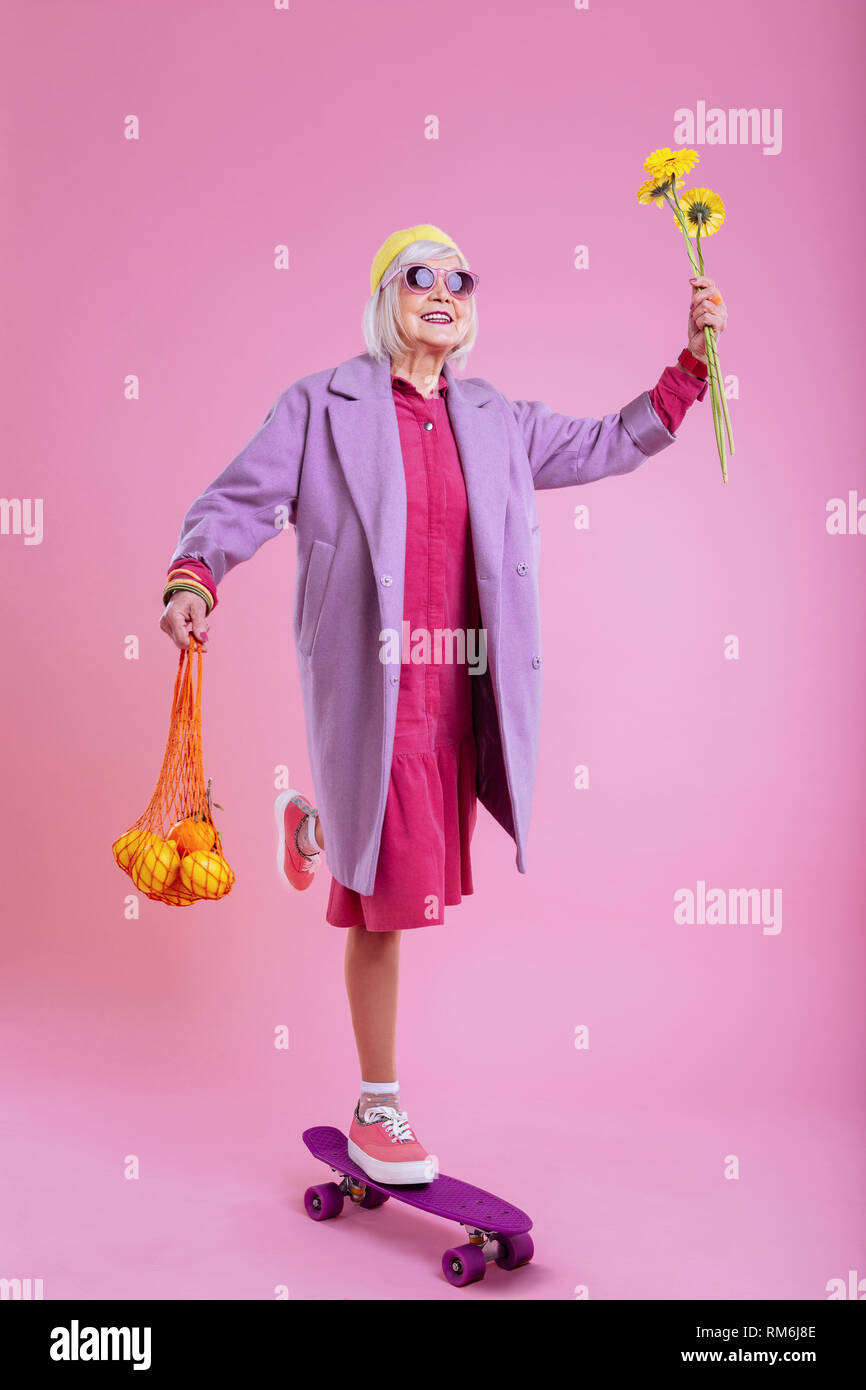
[193, 574]
[192, 587]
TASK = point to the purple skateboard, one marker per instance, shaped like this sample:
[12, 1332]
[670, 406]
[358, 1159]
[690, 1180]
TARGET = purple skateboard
[496, 1230]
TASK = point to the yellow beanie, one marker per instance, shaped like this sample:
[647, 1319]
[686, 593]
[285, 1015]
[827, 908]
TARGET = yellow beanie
[397, 241]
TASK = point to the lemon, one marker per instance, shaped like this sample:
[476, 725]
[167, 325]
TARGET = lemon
[154, 868]
[205, 874]
[129, 846]
[177, 895]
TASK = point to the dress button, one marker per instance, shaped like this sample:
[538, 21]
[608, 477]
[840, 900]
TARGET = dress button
[428, 424]
[385, 579]
[536, 662]
[522, 567]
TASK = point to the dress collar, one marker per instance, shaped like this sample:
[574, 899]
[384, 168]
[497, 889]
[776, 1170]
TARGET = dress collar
[400, 383]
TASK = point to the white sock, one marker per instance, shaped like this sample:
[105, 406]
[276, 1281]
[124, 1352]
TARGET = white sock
[307, 836]
[378, 1093]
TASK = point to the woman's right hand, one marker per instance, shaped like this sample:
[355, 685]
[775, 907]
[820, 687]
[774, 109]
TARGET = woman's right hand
[185, 613]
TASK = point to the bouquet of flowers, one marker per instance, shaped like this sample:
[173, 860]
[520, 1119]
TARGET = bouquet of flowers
[698, 213]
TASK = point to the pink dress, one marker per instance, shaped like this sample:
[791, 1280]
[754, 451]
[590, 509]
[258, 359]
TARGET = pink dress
[431, 810]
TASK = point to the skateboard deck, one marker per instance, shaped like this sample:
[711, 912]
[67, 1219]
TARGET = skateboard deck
[497, 1230]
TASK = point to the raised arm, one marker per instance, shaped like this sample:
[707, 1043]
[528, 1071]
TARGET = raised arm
[565, 450]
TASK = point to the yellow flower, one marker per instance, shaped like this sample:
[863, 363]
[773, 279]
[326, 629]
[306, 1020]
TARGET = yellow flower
[653, 191]
[703, 210]
[665, 162]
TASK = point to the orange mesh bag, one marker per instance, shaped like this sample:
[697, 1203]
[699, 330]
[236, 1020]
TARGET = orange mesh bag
[173, 853]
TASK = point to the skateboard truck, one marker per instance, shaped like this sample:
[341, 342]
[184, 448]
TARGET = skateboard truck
[488, 1241]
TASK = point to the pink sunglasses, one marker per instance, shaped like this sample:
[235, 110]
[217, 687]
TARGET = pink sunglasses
[420, 279]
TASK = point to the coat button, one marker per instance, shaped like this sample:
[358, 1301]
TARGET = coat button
[395, 680]
[428, 424]
[522, 567]
[385, 579]
[536, 662]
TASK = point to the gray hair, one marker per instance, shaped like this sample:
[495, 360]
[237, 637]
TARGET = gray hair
[384, 332]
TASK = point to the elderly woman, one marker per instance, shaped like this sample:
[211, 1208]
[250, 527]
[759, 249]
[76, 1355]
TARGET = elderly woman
[415, 615]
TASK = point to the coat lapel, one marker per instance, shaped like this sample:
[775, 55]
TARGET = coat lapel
[365, 432]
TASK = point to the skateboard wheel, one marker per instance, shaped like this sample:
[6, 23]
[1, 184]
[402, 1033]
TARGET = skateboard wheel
[465, 1264]
[519, 1250]
[372, 1198]
[323, 1202]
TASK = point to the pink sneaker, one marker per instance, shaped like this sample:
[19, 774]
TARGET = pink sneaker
[296, 867]
[384, 1146]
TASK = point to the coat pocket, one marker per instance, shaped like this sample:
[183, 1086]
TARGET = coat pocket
[318, 572]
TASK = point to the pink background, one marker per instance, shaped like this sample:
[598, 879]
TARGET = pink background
[262, 127]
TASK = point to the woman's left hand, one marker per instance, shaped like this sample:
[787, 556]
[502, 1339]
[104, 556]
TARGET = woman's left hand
[707, 310]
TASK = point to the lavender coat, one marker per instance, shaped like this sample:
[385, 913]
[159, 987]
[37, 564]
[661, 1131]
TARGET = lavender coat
[327, 460]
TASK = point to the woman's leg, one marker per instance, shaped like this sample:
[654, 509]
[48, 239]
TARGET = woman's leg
[372, 972]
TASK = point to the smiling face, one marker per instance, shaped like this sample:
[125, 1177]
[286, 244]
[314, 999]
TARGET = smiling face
[415, 310]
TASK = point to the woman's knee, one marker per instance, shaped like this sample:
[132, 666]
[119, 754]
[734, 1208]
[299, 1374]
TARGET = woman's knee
[381, 942]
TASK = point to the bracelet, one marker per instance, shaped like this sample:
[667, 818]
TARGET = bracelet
[692, 364]
[191, 587]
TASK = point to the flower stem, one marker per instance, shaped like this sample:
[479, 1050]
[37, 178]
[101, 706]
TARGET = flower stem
[713, 352]
[716, 392]
[714, 370]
